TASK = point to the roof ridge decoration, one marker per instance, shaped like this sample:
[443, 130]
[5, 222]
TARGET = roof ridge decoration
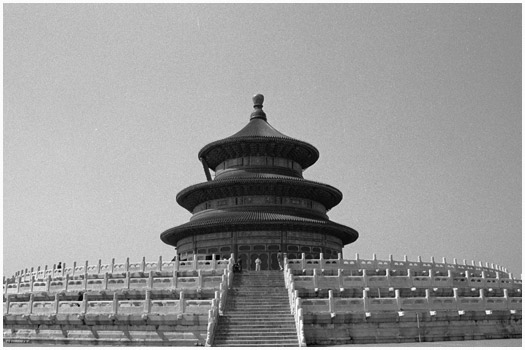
[257, 106]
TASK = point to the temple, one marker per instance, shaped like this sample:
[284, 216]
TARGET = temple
[259, 203]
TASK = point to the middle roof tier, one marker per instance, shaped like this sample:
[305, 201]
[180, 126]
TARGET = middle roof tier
[259, 184]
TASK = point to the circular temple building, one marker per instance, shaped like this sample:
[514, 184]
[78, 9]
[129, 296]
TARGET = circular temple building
[258, 203]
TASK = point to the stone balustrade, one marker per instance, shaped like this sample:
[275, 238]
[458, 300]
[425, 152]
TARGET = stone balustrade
[391, 264]
[429, 304]
[294, 301]
[113, 307]
[218, 305]
[144, 267]
[341, 281]
[163, 279]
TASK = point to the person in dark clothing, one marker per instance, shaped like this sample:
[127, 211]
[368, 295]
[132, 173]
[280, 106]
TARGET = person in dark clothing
[237, 267]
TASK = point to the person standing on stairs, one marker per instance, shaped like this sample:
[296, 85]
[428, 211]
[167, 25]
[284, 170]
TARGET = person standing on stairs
[257, 264]
[280, 260]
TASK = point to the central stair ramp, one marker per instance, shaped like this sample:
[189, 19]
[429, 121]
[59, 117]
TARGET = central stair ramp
[257, 312]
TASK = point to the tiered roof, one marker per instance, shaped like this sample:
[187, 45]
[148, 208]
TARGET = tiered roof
[259, 138]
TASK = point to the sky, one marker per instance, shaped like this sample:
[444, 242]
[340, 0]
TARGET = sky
[414, 108]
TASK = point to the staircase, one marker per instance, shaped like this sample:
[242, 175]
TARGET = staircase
[257, 312]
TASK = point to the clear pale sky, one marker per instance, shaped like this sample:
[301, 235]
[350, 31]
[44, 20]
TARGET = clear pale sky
[415, 109]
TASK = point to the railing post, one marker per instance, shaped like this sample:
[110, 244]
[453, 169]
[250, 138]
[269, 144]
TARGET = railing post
[176, 264]
[331, 302]
[159, 264]
[365, 280]
[98, 265]
[86, 275]
[53, 272]
[126, 264]
[147, 303]
[195, 262]
[106, 275]
[63, 269]
[48, 283]
[112, 267]
[31, 299]
[213, 262]
[199, 276]
[85, 303]
[150, 280]
[181, 302]
[365, 300]
[57, 303]
[18, 285]
[66, 283]
[128, 279]
[7, 304]
[32, 282]
[174, 279]
[143, 264]
[115, 304]
[74, 268]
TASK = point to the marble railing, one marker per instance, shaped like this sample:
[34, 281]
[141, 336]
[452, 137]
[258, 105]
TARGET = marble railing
[340, 281]
[127, 266]
[295, 308]
[108, 282]
[391, 264]
[114, 307]
[429, 304]
[218, 306]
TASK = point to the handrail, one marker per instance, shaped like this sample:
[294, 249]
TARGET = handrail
[219, 303]
[143, 266]
[295, 302]
[374, 263]
[340, 281]
[431, 304]
[114, 307]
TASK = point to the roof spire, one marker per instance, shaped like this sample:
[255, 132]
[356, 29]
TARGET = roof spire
[257, 105]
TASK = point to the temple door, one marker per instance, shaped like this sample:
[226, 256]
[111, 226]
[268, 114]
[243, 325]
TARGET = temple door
[274, 263]
[264, 261]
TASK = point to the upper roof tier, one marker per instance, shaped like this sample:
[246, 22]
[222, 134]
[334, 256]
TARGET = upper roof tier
[258, 138]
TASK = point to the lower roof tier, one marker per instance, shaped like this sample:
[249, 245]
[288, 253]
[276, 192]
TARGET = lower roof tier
[255, 221]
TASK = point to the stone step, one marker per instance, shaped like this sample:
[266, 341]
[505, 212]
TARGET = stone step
[259, 329]
[256, 321]
[248, 307]
[241, 306]
[249, 301]
[254, 338]
[257, 313]
[252, 343]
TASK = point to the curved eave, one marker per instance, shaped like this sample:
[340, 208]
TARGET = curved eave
[234, 147]
[173, 235]
[283, 186]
